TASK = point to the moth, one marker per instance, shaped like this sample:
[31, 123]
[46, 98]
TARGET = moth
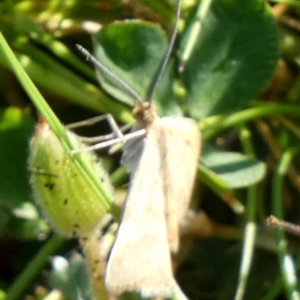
[160, 188]
[163, 163]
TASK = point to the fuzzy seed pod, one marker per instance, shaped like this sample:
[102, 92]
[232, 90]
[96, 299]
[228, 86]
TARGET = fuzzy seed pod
[67, 201]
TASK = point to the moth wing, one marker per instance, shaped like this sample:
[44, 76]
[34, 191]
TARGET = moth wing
[132, 152]
[140, 258]
[182, 150]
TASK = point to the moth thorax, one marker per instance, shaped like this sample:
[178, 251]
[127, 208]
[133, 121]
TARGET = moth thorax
[144, 112]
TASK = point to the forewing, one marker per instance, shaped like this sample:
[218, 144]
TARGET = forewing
[182, 150]
[140, 258]
[132, 153]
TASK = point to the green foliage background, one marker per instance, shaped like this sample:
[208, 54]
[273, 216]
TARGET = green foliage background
[221, 74]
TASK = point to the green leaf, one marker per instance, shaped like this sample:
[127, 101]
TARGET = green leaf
[233, 58]
[5, 217]
[217, 184]
[134, 51]
[236, 169]
[15, 129]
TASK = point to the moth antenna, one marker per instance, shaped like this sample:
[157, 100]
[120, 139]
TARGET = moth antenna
[167, 55]
[97, 64]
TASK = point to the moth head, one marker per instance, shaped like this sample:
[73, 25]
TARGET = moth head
[144, 112]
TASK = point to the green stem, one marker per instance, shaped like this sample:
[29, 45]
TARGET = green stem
[211, 126]
[194, 31]
[285, 260]
[24, 280]
[250, 228]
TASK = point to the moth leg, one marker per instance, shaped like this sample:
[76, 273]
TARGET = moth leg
[111, 142]
[102, 138]
[87, 122]
[116, 130]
